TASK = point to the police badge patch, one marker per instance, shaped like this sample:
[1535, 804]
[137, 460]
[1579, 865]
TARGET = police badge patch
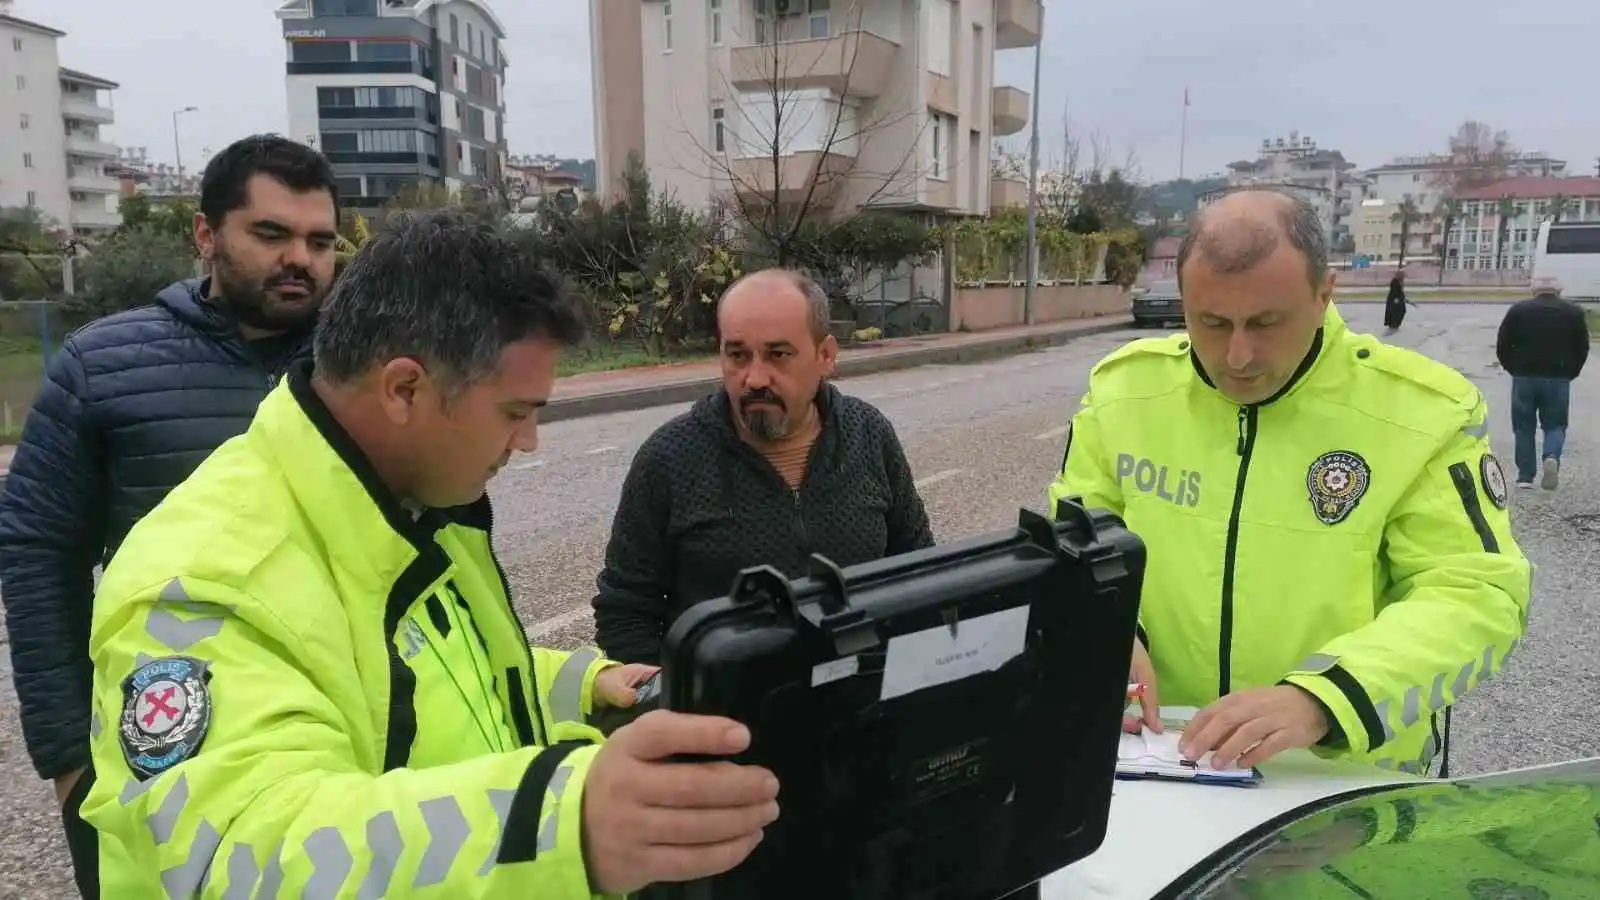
[1494, 480]
[1337, 480]
[166, 711]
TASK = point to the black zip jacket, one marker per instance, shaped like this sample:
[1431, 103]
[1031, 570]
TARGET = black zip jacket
[699, 504]
[1544, 337]
[130, 405]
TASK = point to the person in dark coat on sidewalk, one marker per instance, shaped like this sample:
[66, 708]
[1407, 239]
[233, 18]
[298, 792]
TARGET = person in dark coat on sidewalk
[130, 406]
[775, 466]
[1543, 345]
[1394, 305]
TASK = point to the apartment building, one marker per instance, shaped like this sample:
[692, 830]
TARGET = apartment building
[1421, 177]
[1476, 237]
[842, 103]
[53, 154]
[1296, 164]
[1376, 232]
[398, 93]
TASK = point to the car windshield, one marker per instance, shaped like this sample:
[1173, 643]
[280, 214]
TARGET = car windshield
[1530, 835]
[1165, 288]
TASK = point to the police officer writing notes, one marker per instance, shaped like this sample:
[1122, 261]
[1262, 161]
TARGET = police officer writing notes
[1331, 563]
[308, 676]
[775, 466]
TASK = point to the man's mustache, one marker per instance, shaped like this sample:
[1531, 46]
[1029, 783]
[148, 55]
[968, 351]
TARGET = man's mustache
[292, 275]
[760, 397]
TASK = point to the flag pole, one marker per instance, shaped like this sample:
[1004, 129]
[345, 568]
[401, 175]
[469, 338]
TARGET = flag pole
[1183, 133]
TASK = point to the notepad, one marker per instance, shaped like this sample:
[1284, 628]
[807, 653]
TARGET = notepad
[1151, 755]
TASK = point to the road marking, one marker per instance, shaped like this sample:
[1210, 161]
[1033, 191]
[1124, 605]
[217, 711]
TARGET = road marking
[937, 477]
[597, 450]
[556, 623]
[530, 464]
[1055, 432]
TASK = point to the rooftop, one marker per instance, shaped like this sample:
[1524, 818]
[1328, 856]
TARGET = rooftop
[85, 78]
[1535, 189]
[34, 27]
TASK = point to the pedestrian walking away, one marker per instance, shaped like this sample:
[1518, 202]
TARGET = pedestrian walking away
[1543, 345]
[1331, 560]
[130, 405]
[1394, 305]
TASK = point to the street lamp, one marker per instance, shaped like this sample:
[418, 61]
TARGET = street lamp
[1033, 182]
[177, 145]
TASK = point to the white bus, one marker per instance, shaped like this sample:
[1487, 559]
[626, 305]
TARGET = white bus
[1570, 253]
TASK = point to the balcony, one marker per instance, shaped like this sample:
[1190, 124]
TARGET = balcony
[789, 181]
[95, 183]
[1005, 193]
[94, 148]
[1010, 109]
[1016, 24]
[855, 64]
[87, 111]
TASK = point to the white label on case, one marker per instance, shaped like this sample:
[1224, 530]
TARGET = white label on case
[833, 670]
[941, 655]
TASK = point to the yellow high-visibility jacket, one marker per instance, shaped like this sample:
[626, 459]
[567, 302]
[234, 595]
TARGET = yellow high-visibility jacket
[1348, 536]
[303, 689]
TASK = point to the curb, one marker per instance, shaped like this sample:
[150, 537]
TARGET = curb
[690, 389]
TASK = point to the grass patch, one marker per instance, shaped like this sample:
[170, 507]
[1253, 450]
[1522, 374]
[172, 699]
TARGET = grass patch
[610, 358]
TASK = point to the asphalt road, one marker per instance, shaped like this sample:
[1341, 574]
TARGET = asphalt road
[984, 440]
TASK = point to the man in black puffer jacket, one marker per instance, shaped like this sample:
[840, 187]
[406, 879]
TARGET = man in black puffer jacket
[130, 406]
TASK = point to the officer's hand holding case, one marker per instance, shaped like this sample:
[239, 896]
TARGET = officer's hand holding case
[943, 723]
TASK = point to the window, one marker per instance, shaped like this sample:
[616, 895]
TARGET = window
[320, 51]
[27, 160]
[936, 162]
[25, 122]
[344, 7]
[16, 44]
[666, 26]
[455, 30]
[22, 82]
[818, 18]
[1580, 239]
[937, 29]
[383, 51]
[719, 129]
[33, 199]
[348, 187]
[716, 24]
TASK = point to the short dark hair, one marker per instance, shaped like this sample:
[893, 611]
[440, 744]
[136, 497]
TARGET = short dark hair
[224, 186]
[1238, 246]
[445, 286]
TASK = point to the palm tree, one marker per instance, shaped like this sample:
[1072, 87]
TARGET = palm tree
[1447, 212]
[1406, 215]
[1505, 209]
[1560, 204]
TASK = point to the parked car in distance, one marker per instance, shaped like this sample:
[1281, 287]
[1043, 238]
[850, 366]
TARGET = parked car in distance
[1158, 304]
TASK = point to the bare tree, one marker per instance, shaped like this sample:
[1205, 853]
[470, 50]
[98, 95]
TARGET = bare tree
[785, 84]
[1479, 155]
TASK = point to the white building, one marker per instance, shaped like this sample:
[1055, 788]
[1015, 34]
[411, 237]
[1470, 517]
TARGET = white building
[53, 153]
[1419, 177]
[1295, 164]
[840, 104]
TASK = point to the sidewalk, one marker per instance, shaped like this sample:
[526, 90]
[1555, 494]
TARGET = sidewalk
[626, 390]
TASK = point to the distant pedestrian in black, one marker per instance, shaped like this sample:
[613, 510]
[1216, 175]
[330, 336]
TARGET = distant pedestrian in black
[1543, 344]
[1394, 305]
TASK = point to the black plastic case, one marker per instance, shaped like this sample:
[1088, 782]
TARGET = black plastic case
[964, 790]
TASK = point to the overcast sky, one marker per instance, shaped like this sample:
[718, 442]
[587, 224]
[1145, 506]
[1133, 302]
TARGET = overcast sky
[1374, 78]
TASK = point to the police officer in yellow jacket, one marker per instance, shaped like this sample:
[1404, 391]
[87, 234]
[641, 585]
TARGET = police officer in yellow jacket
[309, 679]
[1331, 562]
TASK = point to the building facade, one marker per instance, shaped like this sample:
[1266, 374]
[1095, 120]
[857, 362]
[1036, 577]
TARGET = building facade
[398, 93]
[1497, 226]
[1296, 165]
[53, 152]
[1424, 177]
[839, 104]
[1378, 234]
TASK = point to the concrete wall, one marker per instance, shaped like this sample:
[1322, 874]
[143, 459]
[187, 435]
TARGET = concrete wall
[1427, 275]
[985, 308]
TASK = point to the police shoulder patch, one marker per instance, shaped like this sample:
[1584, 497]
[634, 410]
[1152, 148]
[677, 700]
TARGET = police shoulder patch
[1494, 480]
[1337, 480]
[166, 712]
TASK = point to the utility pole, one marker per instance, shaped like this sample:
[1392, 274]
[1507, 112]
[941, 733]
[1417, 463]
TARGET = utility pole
[1033, 182]
[177, 145]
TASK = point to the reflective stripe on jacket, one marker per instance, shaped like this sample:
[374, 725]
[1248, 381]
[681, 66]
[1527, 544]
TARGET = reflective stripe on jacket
[1349, 536]
[378, 725]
